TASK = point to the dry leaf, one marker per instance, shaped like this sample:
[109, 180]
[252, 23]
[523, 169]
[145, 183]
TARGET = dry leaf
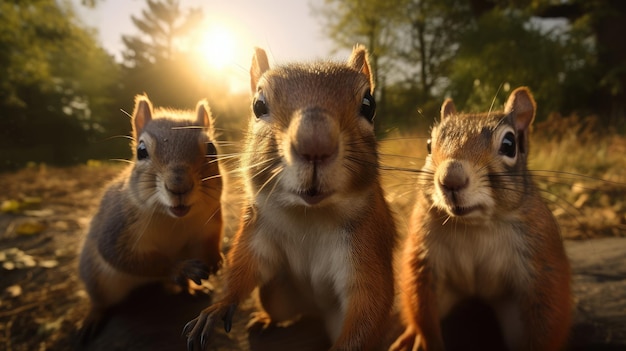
[14, 290]
[39, 213]
[30, 228]
[48, 263]
[10, 206]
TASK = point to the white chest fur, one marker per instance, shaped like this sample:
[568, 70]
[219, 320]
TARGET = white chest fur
[311, 248]
[170, 236]
[483, 261]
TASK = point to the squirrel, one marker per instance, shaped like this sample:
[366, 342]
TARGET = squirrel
[316, 235]
[160, 220]
[480, 229]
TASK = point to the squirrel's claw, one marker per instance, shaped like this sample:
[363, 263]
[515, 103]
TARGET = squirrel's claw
[228, 317]
[189, 326]
[194, 270]
[203, 325]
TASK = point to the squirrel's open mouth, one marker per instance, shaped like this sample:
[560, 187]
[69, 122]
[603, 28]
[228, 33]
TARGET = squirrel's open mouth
[180, 210]
[461, 211]
[313, 195]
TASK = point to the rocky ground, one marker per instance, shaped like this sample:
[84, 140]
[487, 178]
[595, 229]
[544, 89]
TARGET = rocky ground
[45, 215]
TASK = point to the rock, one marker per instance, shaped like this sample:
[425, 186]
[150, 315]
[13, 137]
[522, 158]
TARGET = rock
[599, 285]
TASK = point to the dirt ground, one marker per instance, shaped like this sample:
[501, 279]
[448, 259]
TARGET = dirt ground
[45, 215]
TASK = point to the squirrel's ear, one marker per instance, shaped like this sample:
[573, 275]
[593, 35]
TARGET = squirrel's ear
[204, 117]
[522, 104]
[360, 62]
[142, 113]
[447, 109]
[260, 64]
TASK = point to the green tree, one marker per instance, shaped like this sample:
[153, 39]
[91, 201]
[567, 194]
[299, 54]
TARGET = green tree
[600, 87]
[367, 22]
[55, 83]
[505, 50]
[412, 43]
[162, 25]
[157, 61]
[470, 50]
[432, 31]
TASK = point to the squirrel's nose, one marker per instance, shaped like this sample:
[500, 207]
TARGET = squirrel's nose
[179, 181]
[314, 136]
[453, 178]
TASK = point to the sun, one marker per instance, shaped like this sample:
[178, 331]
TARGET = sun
[218, 46]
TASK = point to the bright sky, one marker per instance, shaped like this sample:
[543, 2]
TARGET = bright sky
[286, 29]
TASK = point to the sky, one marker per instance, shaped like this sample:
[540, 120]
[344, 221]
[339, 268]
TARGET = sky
[287, 30]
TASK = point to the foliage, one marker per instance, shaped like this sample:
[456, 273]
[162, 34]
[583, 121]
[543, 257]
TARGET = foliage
[156, 62]
[162, 26]
[369, 22]
[474, 51]
[161, 63]
[432, 31]
[55, 82]
[411, 43]
[501, 52]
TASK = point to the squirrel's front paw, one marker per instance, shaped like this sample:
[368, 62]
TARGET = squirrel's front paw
[259, 322]
[199, 330]
[215, 263]
[194, 270]
[408, 341]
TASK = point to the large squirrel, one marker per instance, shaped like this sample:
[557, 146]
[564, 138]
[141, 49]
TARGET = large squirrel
[316, 235]
[480, 229]
[161, 219]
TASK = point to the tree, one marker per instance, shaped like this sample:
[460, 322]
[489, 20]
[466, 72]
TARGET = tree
[157, 63]
[367, 22]
[411, 43]
[162, 24]
[433, 29]
[54, 82]
[468, 50]
[505, 50]
[604, 21]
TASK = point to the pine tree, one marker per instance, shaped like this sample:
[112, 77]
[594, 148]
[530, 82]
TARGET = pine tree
[162, 25]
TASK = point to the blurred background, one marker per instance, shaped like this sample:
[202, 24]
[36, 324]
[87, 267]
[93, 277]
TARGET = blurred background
[69, 68]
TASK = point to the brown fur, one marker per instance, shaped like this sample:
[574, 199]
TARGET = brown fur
[136, 237]
[330, 259]
[502, 246]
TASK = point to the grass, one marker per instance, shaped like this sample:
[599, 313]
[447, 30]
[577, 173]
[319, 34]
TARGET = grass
[580, 169]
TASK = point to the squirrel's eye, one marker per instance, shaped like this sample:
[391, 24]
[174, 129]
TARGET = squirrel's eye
[508, 147]
[429, 146]
[142, 151]
[368, 106]
[259, 107]
[211, 151]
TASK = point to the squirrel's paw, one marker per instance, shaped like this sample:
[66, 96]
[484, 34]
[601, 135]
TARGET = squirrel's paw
[259, 322]
[92, 325]
[408, 341]
[199, 330]
[215, 263]
[194, 270]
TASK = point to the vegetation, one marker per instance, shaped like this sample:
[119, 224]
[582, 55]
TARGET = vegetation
[568, 52]
[61, 93]
[48, 107]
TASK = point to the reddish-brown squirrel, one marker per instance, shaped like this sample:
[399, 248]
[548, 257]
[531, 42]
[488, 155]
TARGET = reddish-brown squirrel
[316, 235]
[480, 229]
[161, 219]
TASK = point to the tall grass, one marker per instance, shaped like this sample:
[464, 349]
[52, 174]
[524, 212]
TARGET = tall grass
[579, 167]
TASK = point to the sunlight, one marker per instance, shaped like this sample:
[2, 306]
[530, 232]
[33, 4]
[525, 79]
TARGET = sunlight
[218, 46]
